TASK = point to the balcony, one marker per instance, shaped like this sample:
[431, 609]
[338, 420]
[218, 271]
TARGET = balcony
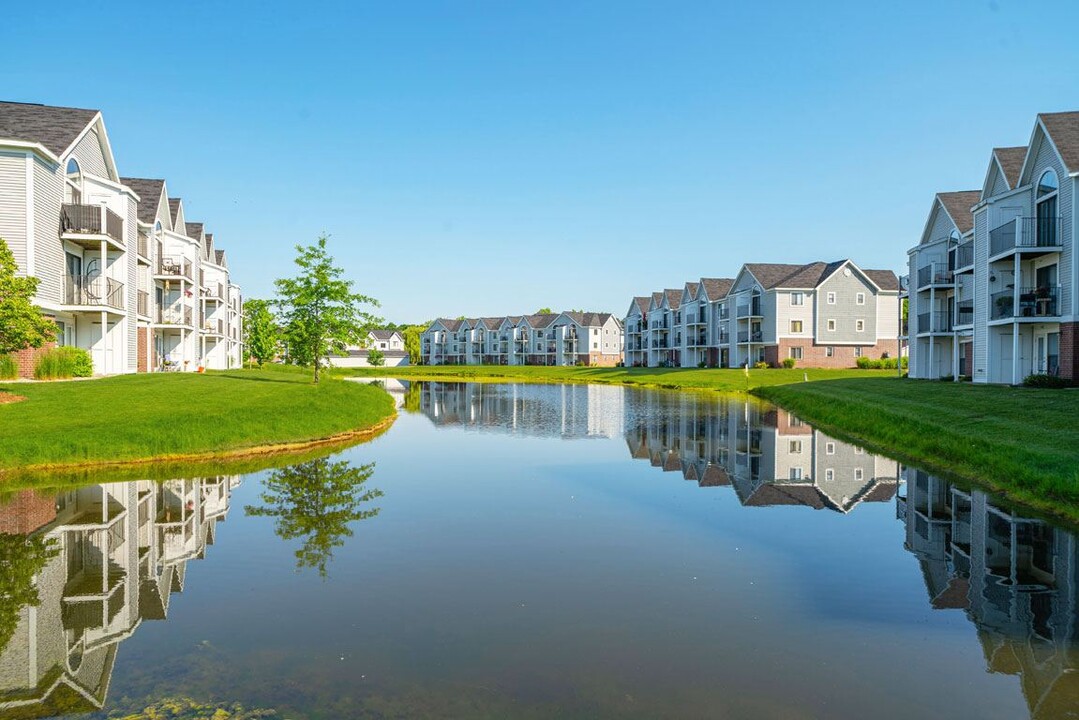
[95, 291]
[144, 246]
[214, 327]
[745, 336]
[692, 319]
[964, 313]
[904, 284]
[95, 220]
[698, 341]
[750, 309]
[964, 256]
[174, 267]
[935, 275]
[724, 337]
[174, 316]
[1043, 302]
[214, 292]
[939, 321]
[143, 304]
[1026, 234]
[660, 325]
[724, 312]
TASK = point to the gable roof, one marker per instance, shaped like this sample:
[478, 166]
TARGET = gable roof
[588, 319]
[492, 323]
[1063, 129]
[539, 320]
[450, 325]
[54, 127]
[219, 257]
[716, 288]
[174, 208]
[689, 292]
[383, 334]
[773, 275]
[1011, 160]
[884, 279]
[641, 303]
[674, 298]
[194, 229]
[149, 192]
[958, 205]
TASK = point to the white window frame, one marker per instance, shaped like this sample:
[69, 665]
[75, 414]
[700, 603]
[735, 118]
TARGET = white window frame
[859, 325]
[859, 299]
[798, 298]
[795, 353]
[794, 447]
[829, 448]
[831, 297]
[800, 329]
[831, 325]
[829, 474]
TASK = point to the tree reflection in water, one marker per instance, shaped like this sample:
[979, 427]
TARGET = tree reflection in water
[315, 502]
[21, 558]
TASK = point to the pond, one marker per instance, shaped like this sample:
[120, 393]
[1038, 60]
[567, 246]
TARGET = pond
[543, 550]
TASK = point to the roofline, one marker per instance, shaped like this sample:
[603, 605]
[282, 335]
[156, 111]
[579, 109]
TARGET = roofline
[32, 146]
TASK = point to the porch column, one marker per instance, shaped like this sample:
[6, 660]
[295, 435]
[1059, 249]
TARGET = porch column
[955, 358]
[104, 291]
[1016, 289]
[104, 342]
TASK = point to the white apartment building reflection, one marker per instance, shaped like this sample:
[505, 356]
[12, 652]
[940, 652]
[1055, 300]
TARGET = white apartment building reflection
[568, 411]
[1013, 575]
[118, 552]
[767, 455]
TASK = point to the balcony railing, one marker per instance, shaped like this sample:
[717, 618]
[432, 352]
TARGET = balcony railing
[660, 324]
[144, 246]
[724, 312]
[692, 319]
[143, 303]
[750, 309]
[93, 291]
[964, 314]
[214, 327]
[1038, 302]
[724, 337]
[938, 321]
[174, 316]
[174, 266]
[745, 336]
[1025, 232]
[964, 255]
[91, 220]
[214, 291]
[935, 274]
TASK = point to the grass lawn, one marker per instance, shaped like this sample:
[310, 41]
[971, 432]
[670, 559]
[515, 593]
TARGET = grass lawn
[1022, 441]
[722, 380]
[132, 417]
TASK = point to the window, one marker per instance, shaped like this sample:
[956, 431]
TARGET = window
[794, 447]
[829, 448]
[829, 351]
[1047, 183]
[595, 346]
[61, 333]
[795, 353]
[859, 299]
[796, 326]
[595, 331]
[857, 473]
[796, 421]
[858, 351]
[859, 325]
[73, 185]
[798, 298]
[796, 473]
[831, 298]
[831, 325]
[859, 451]
[1048, 221]
[829, 474]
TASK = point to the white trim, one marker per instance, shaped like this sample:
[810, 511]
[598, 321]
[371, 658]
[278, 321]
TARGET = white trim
[31, 269]
[24, 145]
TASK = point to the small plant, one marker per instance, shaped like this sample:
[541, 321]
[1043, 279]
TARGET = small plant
[789, 362]
[375, 358]
[702, 365]
[8, 369]
[62, 363]
[1042, 380]
[761, 365]
[863, 362]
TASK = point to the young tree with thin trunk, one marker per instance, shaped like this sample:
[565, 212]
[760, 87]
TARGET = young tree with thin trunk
[319, 310]
[21, 323]
[262, 338]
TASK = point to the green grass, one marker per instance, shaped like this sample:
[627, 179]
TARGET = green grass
[722, 380]
[134, 417]
[1021, 441]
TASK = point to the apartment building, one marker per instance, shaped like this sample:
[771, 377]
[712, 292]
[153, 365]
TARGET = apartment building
[121, 551]
[121, 271]
[992, 283]
[818, 314]
[566, 338]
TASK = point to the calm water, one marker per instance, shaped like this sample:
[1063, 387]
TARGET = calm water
[537, 551]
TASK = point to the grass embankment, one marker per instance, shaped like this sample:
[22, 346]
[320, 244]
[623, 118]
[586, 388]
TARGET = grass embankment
[1021, 441]
[721, 380]
[182, 416]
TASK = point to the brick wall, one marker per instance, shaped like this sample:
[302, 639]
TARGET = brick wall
[143, 338]
[27, 511]
[816, 356]
[1069, 351]
[599, 359]
[26, 359]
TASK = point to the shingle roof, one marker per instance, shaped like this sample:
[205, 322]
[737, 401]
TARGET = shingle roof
[958, 205]
[149, 192]
[219, 257]
[174, 208]
[642, 303]
[588, 319]
[540, 321]
[54, 127]
[1011, 161]
[717, 288]
[194, 229]
[692, 288]
[773, 494]
[674, 298]
[1063, 128]
[450, 324]
[492, 323]
[773, 275]
[885, 279]
[657, 298]
[383, 334]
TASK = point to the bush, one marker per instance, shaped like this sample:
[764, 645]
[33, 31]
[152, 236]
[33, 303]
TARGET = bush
[863, 362]
[885, 363]
[8, 369]
[702, 364]
[789, 363]
[63, 362]
[761, 366]
[375, 358]
[1045, 381]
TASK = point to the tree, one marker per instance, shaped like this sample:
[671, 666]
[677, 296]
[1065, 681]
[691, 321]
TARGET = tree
[411, 335]
[262, 338]
[320, 311]
[315, 502]
[22, 559]
[545, 311]
[21, 323]
[375, 358]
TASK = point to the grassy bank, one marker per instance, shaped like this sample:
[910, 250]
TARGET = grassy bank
[721, 380]
[163, 416]
[1021, 441]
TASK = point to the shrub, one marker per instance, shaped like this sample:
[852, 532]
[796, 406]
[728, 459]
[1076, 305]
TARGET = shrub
[63, 362]
[1045, 381]
[8, 369]
[789, 362]
[375, 358]
[761, 366]
[863, 362]
[702, 364]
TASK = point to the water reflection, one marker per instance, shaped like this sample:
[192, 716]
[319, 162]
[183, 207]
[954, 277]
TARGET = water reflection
[315, 502]
[82, 569]
[1015, 577]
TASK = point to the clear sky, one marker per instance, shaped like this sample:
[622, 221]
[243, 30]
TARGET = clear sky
[485, 158]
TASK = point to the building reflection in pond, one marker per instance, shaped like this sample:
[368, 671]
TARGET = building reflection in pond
[1014, 576]
[117, 553]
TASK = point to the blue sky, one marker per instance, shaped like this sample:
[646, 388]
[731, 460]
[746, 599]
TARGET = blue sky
[483, 158]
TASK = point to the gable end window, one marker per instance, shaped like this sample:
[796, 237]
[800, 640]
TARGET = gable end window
[831, 325]
[859, 325]
[831, 298]
[859, 299]
[798, 298]
[796, 326]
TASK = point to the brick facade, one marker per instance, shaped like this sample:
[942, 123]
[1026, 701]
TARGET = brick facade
[26, 359]
[1069, 351]
[27, 511]
[143, 334]
[816, 356]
